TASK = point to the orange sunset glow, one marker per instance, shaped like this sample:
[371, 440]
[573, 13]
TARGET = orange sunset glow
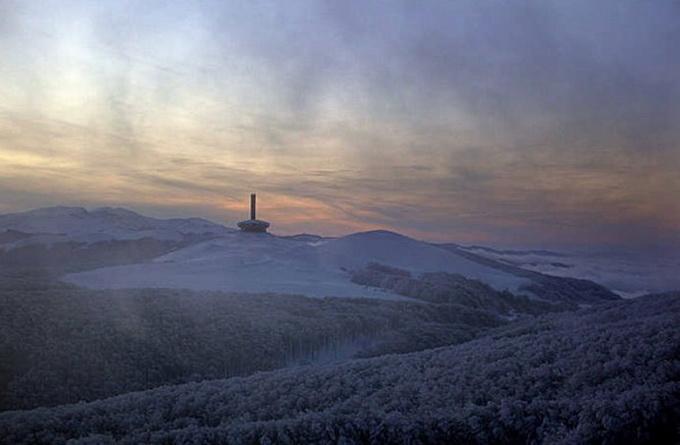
[448, 122]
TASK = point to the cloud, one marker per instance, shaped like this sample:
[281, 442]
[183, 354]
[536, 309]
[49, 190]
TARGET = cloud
[500, 122]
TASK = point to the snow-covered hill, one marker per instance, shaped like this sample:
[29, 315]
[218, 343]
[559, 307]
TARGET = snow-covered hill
[380, 246]
[503, 372]
[115, 248]
[628, 273]
[236, 262]
[58, 240]
[76, 224]
[251, 262]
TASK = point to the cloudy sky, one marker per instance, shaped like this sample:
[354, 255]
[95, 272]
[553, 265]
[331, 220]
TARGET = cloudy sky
[507, 123]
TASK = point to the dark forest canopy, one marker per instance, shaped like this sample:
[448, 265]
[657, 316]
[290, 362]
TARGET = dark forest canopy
[605, 374]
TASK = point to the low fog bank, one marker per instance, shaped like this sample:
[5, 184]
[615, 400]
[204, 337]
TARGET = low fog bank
[628, 273]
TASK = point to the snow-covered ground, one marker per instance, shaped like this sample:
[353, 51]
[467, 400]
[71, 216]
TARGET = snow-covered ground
[629, 274]
[215, 257]
[76, 224]
[251, 262]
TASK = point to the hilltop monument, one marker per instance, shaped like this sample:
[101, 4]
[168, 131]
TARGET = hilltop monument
[253, 224]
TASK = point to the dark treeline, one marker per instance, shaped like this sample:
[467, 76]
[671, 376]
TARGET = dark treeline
[450, 288]
[542, 285]
[60, 344]
[63, 257]
[608, 374]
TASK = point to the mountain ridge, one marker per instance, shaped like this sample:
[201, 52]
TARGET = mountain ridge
[425, 343]
[117, 248]
[66, 220]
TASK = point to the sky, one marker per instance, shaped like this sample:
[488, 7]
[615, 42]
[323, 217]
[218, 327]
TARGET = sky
[505, 123]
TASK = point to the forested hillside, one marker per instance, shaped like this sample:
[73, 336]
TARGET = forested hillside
[608, 374]
[63, 344]
[447, 348]
[442, 287]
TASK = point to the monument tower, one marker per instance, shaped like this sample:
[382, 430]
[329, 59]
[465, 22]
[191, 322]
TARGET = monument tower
[253, 224]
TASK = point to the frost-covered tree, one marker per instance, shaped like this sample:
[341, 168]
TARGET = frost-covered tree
[607, 374]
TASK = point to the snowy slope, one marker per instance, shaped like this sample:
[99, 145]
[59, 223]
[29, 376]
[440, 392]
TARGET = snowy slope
[396, 250]
[238, 262]
[628, 273]
[118, 248]
[267, 263]
[76, 224]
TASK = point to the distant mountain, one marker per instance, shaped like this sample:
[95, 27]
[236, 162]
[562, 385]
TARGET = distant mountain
[101, 224]
[509, 252]
[542, 285]
[397, 250]
[117, 248]
[63, 239]
[459, 345]
[628, 272]
[307, 238]
[266, 263]
[245, 262]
